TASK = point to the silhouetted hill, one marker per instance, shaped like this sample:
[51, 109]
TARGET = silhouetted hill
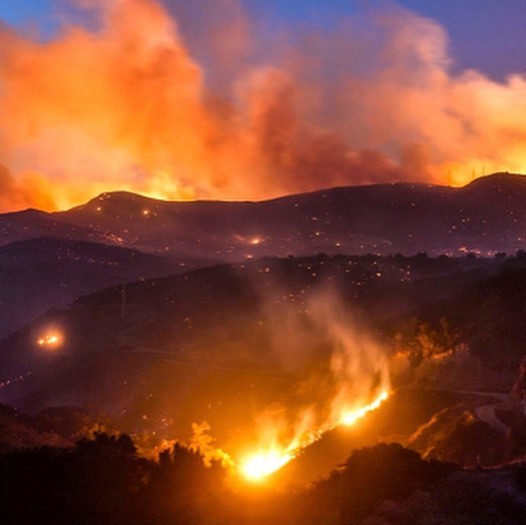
[187, 348]
[31, 223]
[39, 273]
[485, 216]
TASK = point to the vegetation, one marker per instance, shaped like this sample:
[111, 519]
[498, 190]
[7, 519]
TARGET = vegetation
[103, 480]
[214, 322]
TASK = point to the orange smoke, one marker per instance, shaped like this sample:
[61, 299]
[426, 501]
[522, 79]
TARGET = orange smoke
[273, 455]
[344, 376]
[125, 106]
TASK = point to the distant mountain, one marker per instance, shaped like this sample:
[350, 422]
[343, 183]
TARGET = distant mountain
[485, 216]
[39, 273]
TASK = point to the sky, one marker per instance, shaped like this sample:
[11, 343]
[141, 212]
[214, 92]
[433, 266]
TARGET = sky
[251, 99]
[484, 34]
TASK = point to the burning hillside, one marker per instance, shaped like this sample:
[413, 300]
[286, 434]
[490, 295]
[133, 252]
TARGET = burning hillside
[273, 354]
[291, 373]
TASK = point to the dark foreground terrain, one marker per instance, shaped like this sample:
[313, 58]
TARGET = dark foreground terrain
[103, 480]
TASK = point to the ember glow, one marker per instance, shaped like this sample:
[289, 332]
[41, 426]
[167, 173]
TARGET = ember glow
[126, 104]
[51, 340]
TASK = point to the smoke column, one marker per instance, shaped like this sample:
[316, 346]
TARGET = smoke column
[126, 102]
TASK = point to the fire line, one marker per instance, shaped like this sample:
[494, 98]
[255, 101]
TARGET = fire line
[258, 466]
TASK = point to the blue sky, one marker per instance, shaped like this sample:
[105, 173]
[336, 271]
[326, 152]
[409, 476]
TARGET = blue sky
[484, 34]
[16, 12]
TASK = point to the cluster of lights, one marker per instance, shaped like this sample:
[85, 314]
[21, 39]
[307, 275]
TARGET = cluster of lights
[51, 340]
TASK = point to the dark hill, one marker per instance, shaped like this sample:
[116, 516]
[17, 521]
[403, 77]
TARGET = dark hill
[31, 223]
[188, 348]
[485, 216]
[39, 273]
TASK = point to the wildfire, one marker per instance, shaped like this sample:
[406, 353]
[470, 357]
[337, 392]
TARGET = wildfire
[352, 416]
[256, 467]
[51, 340]
[283, 132]
[260, 465]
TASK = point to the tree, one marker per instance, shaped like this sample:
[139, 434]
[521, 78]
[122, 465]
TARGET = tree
[384, 472]
[182, 489]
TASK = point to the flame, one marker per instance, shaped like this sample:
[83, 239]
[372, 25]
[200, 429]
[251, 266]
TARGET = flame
[352, 416]
[51, 340]
[261, 464]
[344, 375]
[257, 466]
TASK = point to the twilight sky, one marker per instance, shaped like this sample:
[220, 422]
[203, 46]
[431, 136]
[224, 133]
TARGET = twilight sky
[484, 34]
[255, 98]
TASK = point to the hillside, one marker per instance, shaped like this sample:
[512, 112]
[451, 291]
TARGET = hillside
[485, 216]
[164, 353]
[39, 273]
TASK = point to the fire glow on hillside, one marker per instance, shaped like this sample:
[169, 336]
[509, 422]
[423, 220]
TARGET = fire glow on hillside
[52, 340]
[350, 380]
[333, 373]
[261, 464]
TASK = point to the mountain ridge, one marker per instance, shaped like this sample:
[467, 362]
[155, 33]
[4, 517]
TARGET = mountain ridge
[485, 216]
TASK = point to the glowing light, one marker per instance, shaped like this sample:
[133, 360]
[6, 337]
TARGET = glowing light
[255, 241]
[350, 417]
[51, 340]
[257, 467]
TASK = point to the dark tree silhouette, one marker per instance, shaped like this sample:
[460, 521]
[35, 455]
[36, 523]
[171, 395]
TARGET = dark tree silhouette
[182, 489]
[384, 472]
[99, 481]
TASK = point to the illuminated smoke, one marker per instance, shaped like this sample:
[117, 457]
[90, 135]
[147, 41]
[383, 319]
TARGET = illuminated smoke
[203, 443]
[343, 376]
[125, 105]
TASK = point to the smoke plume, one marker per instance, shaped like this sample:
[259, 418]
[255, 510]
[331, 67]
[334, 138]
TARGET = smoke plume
[341, 371]
[157, 99]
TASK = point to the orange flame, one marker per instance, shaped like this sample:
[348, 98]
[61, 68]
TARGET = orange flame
[340, 385]
[51, 340]
[256, 467]
[261, 464]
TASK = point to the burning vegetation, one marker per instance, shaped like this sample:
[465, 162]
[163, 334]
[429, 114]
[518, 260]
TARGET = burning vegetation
[259, 465]
[343, 376]
[293, 364]
[52, 340]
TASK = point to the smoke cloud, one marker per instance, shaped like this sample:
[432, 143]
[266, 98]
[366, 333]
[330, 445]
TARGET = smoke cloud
[160, 100]
[339, 370]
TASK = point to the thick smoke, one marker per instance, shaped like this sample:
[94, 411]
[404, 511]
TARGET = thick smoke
[125, 104]
[339, 367]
